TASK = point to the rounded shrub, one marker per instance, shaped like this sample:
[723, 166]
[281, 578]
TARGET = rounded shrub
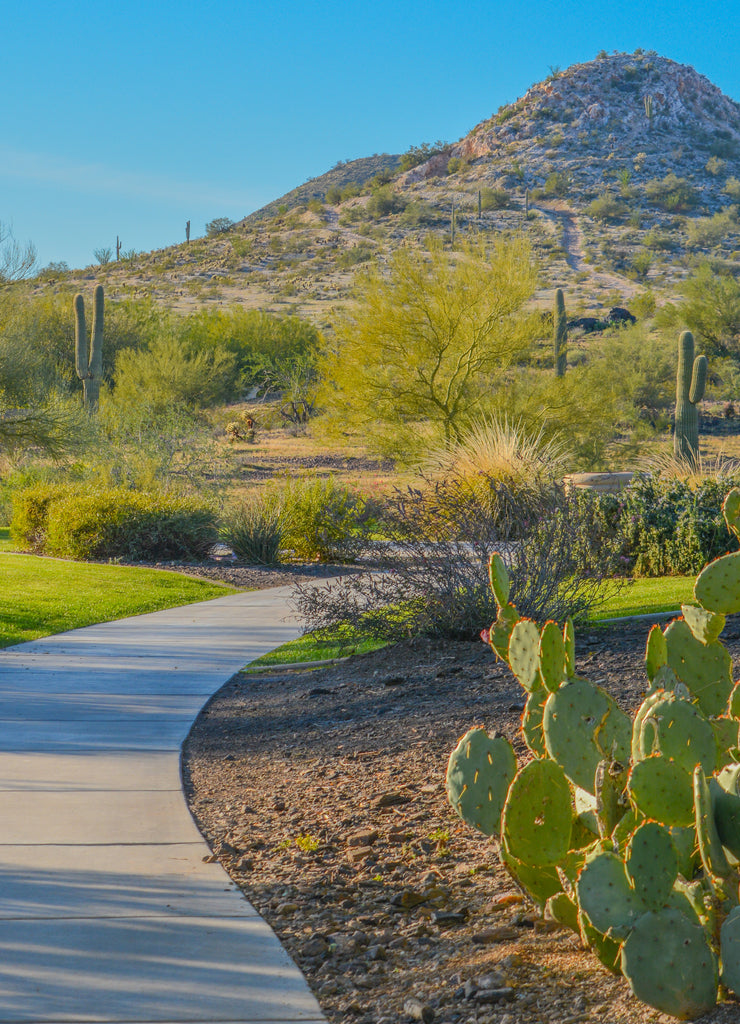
[130, 525]
[30, 517]
[324, 521]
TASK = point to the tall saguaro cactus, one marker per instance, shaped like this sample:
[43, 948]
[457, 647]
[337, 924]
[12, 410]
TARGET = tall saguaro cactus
[560, 336]
[691, 380]
[89, 360]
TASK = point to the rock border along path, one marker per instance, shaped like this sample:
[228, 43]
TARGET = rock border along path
[107, 909]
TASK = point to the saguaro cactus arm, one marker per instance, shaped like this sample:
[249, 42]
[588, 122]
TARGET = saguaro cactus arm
[89, 359]
[691, 379]
[560, 337]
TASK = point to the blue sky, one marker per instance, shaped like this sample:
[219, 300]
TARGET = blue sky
[131, 118]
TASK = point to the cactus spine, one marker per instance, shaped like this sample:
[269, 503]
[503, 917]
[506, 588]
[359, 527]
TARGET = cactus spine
[690, 383]
[89, 362]
[560, 337]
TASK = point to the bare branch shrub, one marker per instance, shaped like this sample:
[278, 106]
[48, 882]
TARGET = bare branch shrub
[431, 577]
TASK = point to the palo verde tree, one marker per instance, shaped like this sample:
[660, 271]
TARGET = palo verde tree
[428, 340]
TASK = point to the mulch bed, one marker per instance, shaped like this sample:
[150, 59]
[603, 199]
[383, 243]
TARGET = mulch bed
[322, 794]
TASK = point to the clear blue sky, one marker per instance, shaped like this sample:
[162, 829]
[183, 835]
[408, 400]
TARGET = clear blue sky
[131, 118]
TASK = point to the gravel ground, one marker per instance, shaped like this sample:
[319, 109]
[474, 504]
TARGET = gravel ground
[322, 794]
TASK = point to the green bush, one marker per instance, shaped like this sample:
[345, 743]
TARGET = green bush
[493, 198]
[669, 527]
[254, 529]
[30, 517]
[557, 184]
[671, 193]
[130, 525]
[606, 208]
[384, 201]
[324, 521]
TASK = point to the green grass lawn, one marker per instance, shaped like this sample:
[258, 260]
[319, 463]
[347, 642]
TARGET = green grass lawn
[5, 541]
[308, 648]
[43, 596]
[645, 596]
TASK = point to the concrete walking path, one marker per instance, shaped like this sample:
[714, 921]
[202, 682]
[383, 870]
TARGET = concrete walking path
[107, 910]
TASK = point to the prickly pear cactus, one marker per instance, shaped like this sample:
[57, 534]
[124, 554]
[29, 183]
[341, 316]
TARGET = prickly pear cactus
[626, 832]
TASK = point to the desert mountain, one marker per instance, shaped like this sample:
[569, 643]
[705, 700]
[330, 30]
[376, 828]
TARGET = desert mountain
[623, 171]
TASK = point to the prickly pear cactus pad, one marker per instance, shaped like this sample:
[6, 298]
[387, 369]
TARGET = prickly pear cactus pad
[577, 718]
[532, 732]
[499, 579]
[706, 626]
[536, 822]
[656, 652]
[524, 657]
[662, 790]
[717, 587]
[479, 774]
[730, 950]
[726, 808]
[606, 896]
[676, 729]
[705, 668]
[652, 864]
[552, 656]
[668, 963]
[731, 511]
[712, 852]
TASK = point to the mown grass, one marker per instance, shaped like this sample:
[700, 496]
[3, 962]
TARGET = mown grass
[43, 596]
[5, 542]
[645, 596]
[309, 648]
[636, 597]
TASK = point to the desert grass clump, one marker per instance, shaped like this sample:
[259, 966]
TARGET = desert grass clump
[254, 529]
[506, 468]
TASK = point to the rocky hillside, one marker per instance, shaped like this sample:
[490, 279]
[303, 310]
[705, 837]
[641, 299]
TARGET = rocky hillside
[624, 171]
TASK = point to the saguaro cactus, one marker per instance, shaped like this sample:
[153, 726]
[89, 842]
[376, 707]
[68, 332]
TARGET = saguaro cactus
[89, 361]
[560, 336]
[690, 383]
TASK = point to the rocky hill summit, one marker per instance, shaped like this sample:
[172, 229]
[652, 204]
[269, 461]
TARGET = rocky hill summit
[639, 110]
[624, 172]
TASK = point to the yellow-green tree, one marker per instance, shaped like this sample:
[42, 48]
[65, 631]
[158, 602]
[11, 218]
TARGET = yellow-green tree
[427, 340]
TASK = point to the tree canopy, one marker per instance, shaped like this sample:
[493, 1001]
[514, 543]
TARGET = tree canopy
[428, 339]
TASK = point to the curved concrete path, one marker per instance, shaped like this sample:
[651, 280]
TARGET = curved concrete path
[107, 910]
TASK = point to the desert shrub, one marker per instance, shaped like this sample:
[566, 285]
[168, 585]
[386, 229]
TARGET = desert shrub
[170, 373]
[494, 198]
[671, 193]
[671, 527]
[606, 208]
[254, 528]
[324, 521]
[432, 580]
[710, 230]
[418, 214]
[130, 525]
[356, 254]
[218, 226]
[384, 201]
[30, 513]
[732, 188]
[557, 184]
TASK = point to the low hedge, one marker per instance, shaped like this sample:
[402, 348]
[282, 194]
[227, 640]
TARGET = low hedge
[114, 523]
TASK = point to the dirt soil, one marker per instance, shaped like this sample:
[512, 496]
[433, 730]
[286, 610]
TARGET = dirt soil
[322, 794]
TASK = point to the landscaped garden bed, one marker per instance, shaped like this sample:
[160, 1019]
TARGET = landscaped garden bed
[322, 794]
